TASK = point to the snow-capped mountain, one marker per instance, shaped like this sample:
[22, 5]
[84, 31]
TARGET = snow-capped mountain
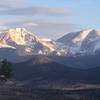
[27, 43]
[20, 42]
[85, 41]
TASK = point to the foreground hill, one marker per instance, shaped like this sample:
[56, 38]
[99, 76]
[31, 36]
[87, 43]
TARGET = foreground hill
[81, 62]
[43, 71]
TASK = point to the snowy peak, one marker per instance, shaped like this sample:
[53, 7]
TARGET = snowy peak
[20, 36]
[85, 41]
[26, 42]
[81, 36]
[14, 35]
[86, 34]
[77, 37]
[17, 35]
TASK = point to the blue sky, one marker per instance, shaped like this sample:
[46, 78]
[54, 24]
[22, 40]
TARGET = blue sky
[50, 18]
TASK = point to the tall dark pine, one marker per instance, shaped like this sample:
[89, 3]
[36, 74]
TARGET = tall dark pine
[6, 68]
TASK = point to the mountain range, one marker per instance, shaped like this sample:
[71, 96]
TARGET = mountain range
[19, 45]
[37, 61]
[85, 41]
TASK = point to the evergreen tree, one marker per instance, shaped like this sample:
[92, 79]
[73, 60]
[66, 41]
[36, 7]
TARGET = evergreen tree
[6, 68]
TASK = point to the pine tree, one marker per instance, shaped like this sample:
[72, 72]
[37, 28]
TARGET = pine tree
[6, 68]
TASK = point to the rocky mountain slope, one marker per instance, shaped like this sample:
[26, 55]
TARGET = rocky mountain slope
[20, 42]
[85, 41]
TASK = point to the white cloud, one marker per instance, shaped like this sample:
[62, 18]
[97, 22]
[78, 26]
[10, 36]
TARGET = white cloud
[30, 24]
[3, 27]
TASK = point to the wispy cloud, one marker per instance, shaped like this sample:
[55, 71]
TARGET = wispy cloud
[48, 21]
[30, 24]
[12, 3]
[3, 28]
[53, 30]
[38, 10]
[44, 28]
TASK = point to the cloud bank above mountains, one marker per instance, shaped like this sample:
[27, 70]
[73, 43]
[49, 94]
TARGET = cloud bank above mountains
[37, 16]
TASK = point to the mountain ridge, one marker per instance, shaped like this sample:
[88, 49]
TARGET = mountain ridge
[21, 39]
[85, 41]
[24, 43]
